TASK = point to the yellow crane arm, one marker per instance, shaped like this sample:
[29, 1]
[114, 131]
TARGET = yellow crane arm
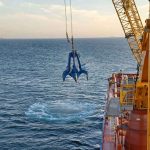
[131, 24]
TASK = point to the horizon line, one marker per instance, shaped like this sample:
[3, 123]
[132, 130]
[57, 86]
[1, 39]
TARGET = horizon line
[60, 38]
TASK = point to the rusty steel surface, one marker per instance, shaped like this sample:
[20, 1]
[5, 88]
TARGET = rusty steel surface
[136, 134]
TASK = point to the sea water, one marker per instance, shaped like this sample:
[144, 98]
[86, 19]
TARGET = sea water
[39, 111]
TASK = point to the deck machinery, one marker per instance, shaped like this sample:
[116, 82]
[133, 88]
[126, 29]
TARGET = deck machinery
[129, 128]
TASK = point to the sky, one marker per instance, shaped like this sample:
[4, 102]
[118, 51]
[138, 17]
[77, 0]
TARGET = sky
[46, 19]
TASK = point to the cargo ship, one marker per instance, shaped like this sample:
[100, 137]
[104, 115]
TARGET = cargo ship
[126, 123]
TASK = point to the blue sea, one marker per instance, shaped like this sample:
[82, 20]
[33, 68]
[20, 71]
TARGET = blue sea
[38, 111]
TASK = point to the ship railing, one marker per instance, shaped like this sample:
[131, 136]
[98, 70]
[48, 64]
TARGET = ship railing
[104, 122]
[128, 98]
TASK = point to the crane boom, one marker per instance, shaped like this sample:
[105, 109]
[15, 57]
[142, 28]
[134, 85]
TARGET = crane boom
[131, 24]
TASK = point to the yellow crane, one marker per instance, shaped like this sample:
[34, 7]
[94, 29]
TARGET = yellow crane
[139, 42]
[131, 24]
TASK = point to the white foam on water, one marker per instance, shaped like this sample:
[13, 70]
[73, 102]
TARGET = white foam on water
[64, 111]
[37, 110]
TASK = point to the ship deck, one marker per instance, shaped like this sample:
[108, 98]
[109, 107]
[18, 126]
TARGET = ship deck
[109, 135]
[115, 122]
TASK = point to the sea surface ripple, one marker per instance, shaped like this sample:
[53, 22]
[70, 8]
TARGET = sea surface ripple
[40, 111]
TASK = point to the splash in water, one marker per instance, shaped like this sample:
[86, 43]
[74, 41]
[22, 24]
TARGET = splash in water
[60, 111]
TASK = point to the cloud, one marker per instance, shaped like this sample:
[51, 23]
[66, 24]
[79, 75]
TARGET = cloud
[25, 25]
[87, 23]
[143, 12]
[30, 4]
[1, 3]
[48, 21]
